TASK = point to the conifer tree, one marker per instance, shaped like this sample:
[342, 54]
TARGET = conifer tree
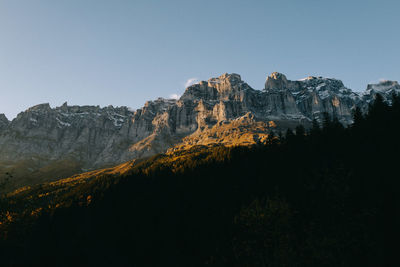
[378, 107]
[396, 103]
[300, 131]
[326, 121]
[289, 135]
[315, 129]
[358, 117]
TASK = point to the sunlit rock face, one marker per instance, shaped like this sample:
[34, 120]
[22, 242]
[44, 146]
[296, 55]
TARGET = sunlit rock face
[243, 130]
[277, 81]
[45, 143]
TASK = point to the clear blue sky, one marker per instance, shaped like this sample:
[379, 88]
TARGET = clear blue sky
[126, 52]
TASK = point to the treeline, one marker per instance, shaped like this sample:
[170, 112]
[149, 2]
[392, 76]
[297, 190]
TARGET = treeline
[327, 196]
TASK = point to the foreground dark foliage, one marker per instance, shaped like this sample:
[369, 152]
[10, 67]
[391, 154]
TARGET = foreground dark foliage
[329, 197]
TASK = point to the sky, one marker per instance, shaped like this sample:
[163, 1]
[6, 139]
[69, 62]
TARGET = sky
[123, 53]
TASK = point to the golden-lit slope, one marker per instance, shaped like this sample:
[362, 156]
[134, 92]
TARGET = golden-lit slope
[245, 130]
[33, 200]
[30, 201]
[66, 183]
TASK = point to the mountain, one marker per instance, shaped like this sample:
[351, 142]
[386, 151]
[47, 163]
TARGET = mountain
[300, 200]
[44, 143]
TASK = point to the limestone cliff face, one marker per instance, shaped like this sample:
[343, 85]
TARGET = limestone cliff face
[71, 139]
[312, 96]
[66, 131]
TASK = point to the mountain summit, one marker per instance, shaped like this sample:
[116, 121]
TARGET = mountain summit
[224, 87]
[276, 81]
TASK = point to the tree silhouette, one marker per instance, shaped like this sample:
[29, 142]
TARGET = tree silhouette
[358, 117]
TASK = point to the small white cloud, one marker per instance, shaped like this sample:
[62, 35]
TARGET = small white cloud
[174, 96]
[191, 81]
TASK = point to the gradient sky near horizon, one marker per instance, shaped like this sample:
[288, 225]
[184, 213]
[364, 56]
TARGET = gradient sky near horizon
[115, 52]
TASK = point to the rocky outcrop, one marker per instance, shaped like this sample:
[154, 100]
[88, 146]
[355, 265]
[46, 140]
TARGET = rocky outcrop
[221, 110]
[313, 96]
[385, 88]
[3, 121]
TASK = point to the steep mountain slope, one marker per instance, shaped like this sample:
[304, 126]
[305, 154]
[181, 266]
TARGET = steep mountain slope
[44, 144]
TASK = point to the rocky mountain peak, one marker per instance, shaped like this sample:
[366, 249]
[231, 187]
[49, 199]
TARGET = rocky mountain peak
[232, 78]
[64, 107]
[40, 107]
[3, 121]
[322, 83]
[159, 105]
[384, 86]
[223, 87]
[276, 80]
